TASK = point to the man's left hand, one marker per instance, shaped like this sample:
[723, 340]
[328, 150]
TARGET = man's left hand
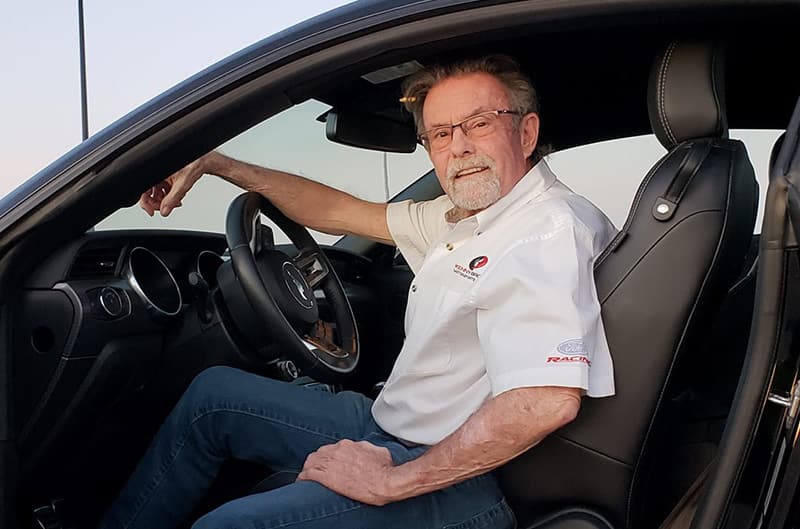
[357, 470]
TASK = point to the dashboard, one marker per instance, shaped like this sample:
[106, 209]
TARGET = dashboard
[105, 315]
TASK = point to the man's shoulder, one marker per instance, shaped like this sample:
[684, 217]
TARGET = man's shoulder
[423, 213]
[560, 205]
[560, 210]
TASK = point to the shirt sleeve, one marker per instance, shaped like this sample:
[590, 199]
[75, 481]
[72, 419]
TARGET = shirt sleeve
[539, 317]
[414, 226]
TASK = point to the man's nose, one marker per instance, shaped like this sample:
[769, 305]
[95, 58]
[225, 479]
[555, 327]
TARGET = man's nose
[460, 143]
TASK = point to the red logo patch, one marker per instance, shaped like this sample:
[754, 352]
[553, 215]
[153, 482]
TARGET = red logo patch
[478, 262]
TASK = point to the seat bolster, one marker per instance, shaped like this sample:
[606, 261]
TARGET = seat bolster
[571, 518]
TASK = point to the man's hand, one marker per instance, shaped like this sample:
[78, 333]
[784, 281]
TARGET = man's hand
[168, 195]
[357, 470]
[504, 427]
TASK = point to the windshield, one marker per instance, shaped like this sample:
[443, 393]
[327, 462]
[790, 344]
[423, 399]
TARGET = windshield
[293, 141]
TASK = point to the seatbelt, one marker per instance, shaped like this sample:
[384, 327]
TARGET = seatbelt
[682, 514]
[666, 204]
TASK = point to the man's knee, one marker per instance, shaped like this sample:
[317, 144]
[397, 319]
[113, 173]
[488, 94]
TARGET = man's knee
[214, 381]
[225, 388]
[227, 517]
[207, 390]
[217, 375]
[214, 520]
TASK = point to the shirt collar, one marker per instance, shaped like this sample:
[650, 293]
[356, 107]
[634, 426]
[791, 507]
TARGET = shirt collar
[534, 183]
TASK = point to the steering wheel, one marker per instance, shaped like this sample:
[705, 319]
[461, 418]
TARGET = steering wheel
[272, 299]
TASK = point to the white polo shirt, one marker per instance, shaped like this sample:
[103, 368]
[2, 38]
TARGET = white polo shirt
[502, 299]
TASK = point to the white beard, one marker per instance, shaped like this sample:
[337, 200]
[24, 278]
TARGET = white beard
[473, 192]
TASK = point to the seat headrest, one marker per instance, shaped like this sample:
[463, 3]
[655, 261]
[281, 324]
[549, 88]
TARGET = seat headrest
[686, 97]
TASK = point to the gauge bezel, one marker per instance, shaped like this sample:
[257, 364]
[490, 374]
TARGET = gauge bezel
[148, 287]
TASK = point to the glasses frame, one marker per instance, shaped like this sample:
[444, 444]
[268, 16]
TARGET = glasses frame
[422, 138]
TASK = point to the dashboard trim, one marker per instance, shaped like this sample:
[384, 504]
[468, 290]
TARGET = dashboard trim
[137, 287]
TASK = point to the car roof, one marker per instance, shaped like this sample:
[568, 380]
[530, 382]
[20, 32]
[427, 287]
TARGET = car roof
[592, 75]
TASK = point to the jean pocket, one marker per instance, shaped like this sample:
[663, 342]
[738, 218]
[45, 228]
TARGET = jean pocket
[498, 516]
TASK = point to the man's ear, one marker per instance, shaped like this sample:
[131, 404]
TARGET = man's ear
[529, 133]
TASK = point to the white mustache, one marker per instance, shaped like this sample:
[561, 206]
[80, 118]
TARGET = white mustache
[460, 164]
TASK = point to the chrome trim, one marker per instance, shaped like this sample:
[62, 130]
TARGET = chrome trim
[129, 275]
[313, 267]
[253, 242]
[780, 400]
[197, 264]
[791, 401]
[103, 303]
[314, 347]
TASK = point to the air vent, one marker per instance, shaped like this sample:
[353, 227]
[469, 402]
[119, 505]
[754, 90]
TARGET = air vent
[95, 262]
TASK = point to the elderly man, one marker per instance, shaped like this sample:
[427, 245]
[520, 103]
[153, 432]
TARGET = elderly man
[503, 336]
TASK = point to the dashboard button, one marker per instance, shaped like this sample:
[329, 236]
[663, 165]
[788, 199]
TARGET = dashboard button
[111, 302]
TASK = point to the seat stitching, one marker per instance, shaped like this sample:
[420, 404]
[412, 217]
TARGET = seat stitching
[714, 92]
[662, 88]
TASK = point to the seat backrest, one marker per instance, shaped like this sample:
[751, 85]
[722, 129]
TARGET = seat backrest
[660, 282]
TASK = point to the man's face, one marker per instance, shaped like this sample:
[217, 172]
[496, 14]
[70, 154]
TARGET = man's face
[476, 172]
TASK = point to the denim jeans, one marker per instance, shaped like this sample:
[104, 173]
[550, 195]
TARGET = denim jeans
[226, 413]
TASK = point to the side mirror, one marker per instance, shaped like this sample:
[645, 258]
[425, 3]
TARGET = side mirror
[369, 131]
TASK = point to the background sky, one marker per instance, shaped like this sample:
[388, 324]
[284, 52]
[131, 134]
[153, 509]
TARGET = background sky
[137, 49]
[134, 51]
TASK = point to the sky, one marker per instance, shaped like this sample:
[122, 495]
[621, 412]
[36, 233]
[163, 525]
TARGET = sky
[134, 51]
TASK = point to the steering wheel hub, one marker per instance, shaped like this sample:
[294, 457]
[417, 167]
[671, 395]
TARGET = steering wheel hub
[297, 285]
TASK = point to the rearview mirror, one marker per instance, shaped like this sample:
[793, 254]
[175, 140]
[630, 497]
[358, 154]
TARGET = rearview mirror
[369, 131]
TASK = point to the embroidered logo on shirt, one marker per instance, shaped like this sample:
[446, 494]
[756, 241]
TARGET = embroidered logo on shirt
[572, 351]
[478, 262]
[465, 272]
[468, 272]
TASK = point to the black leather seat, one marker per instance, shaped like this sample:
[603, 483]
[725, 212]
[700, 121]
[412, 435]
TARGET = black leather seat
[660, 284]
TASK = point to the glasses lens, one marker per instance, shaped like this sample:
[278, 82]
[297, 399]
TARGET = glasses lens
[477, 126]
[481, 125]
[440, 138]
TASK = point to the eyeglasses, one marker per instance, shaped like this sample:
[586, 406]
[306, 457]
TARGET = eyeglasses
[477, 126]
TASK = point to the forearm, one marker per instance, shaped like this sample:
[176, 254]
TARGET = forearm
[500, 430]
[309, 203]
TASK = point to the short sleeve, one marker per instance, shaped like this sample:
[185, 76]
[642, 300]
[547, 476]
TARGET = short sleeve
[414, 226]
[539, 317]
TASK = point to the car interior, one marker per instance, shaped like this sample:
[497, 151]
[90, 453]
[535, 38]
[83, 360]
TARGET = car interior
[106, 328]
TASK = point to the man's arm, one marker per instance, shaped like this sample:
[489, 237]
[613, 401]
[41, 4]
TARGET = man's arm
[500, 430]
[309, 203]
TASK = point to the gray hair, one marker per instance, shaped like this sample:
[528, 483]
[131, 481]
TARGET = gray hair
[521, 93]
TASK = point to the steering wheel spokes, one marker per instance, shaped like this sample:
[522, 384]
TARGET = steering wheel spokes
[272, 299]
[313, 266]
[261, 237]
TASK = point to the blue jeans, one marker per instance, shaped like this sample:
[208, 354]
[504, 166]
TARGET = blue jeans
[226, 413]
